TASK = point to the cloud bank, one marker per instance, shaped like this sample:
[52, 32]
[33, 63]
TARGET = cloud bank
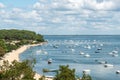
[55, 17]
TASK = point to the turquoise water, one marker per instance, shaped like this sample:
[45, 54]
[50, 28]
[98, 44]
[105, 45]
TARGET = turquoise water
[65, 50]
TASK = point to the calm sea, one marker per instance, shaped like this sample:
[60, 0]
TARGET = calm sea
[80, 53]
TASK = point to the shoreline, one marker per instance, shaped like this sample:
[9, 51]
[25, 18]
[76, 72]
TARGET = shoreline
[14, 55]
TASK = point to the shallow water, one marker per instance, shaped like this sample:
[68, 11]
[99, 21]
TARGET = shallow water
[65, 50]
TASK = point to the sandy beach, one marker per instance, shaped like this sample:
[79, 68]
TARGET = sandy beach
[14, 55]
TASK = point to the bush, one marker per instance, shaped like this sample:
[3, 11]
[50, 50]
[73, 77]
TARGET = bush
[17, 70]
[2, 51]
[64, 73]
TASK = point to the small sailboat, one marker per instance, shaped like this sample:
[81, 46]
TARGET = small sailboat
[81, 53]
[49, 61]
[101, 44]
[102, 62]
[99, 49]
[45, 53]
[114, 51]
[55, 46]
[114, 55]
[108, 65]
[118, 72]
[87, 55]
[87, 47]
[72, 50]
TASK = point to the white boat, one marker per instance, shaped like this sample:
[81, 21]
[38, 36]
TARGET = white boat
[45, 53]
[39, 51]
[87, 55]
[118, 72]
[114, 51]
[72, 50]
[49, 61]
[99, 49]
[87, 47]
[114, 55]
[108, 65]
[101, 44]
[102, 62]
[81, 53]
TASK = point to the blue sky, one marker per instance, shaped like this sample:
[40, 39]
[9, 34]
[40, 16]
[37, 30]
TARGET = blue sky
[62, 17]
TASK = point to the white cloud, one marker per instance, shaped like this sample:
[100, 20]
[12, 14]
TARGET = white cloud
[2, 5]
[95, 4]
[85, 14]
[39, 6]
[77, 3]
[104, 5]
[56, 20]
[8, 21]
[33, 15]
[2, 12]
[75, 16]
[17, 10]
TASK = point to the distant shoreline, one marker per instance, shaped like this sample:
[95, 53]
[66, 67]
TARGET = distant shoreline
[86, 35]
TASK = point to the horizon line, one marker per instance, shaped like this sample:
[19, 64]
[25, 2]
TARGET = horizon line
[83, 35]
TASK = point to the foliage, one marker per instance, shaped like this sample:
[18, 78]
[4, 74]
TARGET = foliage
[13, 39]
[42, 78]
[3, 45]
[14, 34]
[17, 70]
[65, 73]
[11, 47]
[86, 77]
[39, 38]
[2, 51]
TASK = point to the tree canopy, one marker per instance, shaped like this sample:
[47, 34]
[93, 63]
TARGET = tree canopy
[14, 34]
[17, 70]
[13, 39]
[64, 73]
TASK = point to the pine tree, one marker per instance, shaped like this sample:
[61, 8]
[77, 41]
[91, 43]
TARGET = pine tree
[64, 73]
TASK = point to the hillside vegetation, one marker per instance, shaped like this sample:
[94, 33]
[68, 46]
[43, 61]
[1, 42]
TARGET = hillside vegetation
[13, 39]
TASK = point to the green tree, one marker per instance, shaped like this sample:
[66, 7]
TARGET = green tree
[64, 73]
[17, 70]
[86, 77]
[3, 48]
[39, 38]
[14, 34]
[2, 51]
[13, 39]
[3, 45]
[11, 47]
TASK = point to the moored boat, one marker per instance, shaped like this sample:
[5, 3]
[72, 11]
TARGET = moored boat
[118, 72]
[108, 65]
[49, 61]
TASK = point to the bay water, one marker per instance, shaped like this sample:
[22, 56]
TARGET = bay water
[80, 52]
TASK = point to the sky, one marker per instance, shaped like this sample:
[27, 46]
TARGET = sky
[62, 17]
